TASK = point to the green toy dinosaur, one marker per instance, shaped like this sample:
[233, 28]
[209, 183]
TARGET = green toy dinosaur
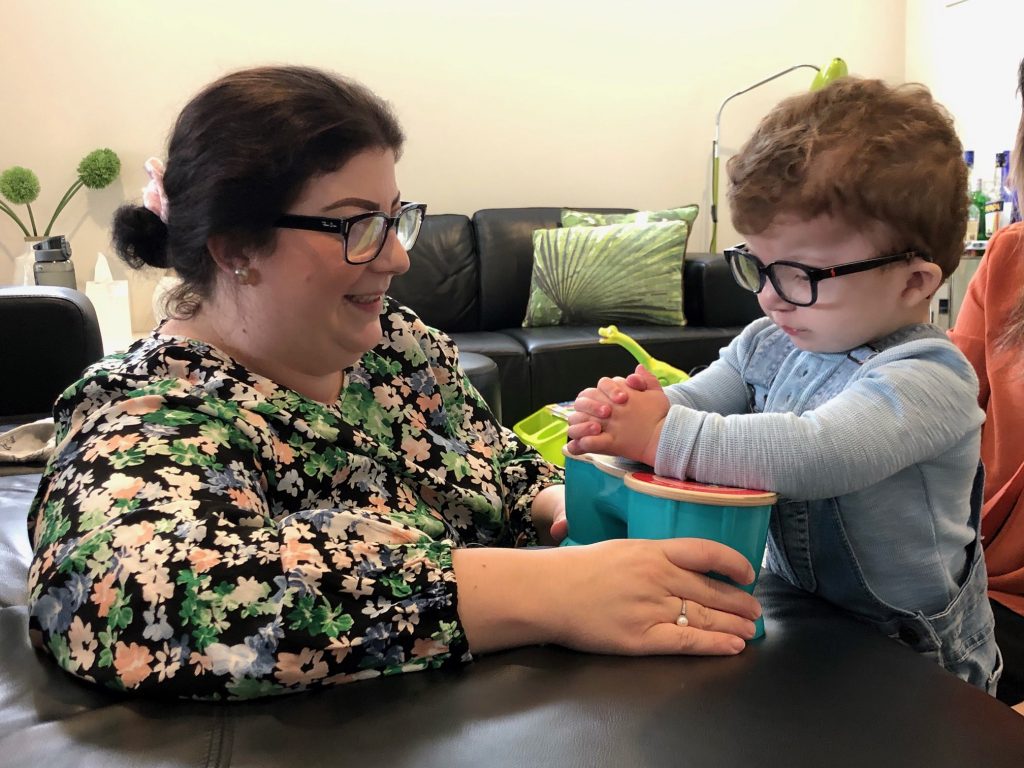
[663, 372]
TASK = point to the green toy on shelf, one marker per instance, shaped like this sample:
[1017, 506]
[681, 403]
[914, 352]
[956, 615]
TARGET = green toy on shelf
[547, 429]
[663, 372]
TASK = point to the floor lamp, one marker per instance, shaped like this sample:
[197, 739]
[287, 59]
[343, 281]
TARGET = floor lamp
[825, 75]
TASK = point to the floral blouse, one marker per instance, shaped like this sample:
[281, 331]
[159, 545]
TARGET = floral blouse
[203, 532]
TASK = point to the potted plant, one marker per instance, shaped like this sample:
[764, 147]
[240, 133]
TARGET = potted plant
[20, 186]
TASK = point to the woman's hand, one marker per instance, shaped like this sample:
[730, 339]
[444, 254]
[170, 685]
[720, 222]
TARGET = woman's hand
[621, 596]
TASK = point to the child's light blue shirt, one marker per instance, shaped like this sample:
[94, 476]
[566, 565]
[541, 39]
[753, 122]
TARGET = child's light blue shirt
[874, 454]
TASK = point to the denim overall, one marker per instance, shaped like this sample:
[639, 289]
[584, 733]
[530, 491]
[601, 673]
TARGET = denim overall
[808, 546]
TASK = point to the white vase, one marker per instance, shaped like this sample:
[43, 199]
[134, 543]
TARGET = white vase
[23, 274]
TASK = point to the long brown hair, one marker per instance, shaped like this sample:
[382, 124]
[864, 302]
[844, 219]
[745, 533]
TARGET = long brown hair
[1014, 333]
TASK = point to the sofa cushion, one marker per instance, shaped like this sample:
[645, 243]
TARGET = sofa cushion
[566, 359]
[687, 213]
[443, 282]
[619, 273]
[504, 241]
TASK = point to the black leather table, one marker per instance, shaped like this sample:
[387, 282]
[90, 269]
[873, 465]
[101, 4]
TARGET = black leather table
[819, 690]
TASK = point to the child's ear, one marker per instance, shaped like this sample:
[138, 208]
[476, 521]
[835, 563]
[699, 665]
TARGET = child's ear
[923, 281]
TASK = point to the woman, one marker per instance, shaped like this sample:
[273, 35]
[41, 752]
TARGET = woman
[990, 332]
[291, 483]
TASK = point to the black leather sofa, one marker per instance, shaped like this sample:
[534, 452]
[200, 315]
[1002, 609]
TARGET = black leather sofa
[820, 689]
[470, 277]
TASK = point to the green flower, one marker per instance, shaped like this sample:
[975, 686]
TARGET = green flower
[19, 185]
[96, 171]
[99, 168]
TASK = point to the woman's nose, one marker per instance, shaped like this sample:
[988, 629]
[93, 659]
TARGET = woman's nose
[393, 258]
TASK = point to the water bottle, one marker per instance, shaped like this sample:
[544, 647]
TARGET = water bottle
[53, 262]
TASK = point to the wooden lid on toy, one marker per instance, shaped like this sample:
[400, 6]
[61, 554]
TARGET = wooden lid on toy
[587, 457]
[698, 493]
[616, 466]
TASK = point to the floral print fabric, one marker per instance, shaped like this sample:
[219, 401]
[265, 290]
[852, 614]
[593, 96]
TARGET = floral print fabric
[203, 532]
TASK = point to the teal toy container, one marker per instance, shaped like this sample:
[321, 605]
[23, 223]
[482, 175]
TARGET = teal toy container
[609, 498]
[596, 498]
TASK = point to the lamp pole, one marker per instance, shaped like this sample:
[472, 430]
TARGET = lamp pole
[715, 143]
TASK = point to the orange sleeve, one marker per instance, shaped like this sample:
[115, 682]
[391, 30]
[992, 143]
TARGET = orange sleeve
[969, 331]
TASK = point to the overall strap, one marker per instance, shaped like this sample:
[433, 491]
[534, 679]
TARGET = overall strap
[865, 352]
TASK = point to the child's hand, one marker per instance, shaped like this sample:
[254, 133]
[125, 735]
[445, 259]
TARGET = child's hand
[641, 379]
[614, 420]
[590, 406]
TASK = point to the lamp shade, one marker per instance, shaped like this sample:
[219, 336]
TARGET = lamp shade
[823, 76]
[835, 69]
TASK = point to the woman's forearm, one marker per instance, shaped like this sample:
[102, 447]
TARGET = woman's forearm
[501, 592]
[619, 596]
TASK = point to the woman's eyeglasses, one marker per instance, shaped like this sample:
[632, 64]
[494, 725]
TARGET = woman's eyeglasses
[363, 235]
[794, 282]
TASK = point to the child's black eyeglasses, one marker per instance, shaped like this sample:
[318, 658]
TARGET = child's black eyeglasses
[363, 235]
[794, 282]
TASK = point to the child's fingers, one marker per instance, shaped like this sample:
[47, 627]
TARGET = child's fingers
[642, 379]
[599, 443]
[637, 382]
[614, 389]
[586, 428]
[590, 404]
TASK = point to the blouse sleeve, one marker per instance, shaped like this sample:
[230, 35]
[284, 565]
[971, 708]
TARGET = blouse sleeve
[522, 471]
[969, 333]
[159, 564]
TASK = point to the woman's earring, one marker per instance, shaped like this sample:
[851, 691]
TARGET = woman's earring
[242, 275]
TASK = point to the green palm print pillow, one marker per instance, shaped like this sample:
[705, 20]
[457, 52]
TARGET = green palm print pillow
[687, 213]
[619, 273]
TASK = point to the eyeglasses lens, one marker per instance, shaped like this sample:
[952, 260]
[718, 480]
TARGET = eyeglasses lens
[794, 285]
[744, 269]
[364, 238]
[408, 229]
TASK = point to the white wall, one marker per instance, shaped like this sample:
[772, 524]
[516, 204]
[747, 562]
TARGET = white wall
[968, 54]
[535, 102]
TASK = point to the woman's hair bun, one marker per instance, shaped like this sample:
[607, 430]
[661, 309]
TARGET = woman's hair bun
[140, 237]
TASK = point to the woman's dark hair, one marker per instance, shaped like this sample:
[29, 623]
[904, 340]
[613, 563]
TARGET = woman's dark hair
[240, 154]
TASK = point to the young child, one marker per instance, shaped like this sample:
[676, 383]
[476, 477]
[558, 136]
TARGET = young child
[843, 399]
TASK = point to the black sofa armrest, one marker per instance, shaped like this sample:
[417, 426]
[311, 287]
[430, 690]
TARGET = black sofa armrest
[442, 285]
[711, 298]
[48, 336]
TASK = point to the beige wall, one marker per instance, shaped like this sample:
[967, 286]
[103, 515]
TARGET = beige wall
[527, 103]
[968, 55]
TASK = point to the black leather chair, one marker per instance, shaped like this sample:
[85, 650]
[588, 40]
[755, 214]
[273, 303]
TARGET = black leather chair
[47, 337]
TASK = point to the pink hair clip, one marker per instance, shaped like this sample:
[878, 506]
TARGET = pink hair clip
[153, 196]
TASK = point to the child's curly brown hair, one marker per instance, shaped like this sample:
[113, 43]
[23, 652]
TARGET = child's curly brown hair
[864, 152]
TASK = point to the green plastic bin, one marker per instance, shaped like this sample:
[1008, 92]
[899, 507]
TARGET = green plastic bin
[547, 430]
